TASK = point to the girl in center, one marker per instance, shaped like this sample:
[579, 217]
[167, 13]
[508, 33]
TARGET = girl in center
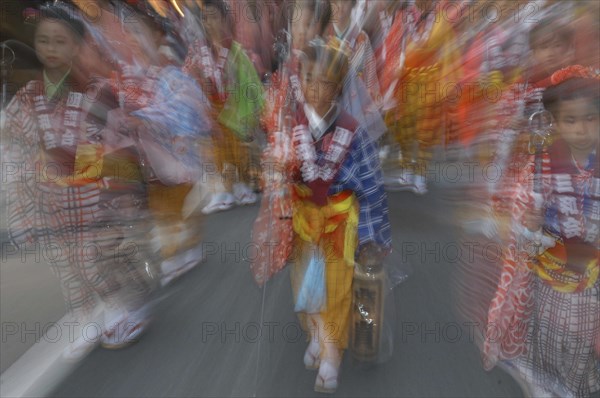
[339, 208]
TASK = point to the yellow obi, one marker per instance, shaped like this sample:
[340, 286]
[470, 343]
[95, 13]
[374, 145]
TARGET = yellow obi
[88, 163]
[86, 169]
[312, 223]
[551, 268]
[92, 165]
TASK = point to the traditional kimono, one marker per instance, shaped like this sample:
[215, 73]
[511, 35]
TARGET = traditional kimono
[377, 25]
[74, 198]
[361, 96]
[173, 108]
[488, 70]
[338, 205]
[560, 324]
[509, 135]
[511, 305]
[422, 68]
[272, 233]
[482, 65]
[235, 94]
[253, 31]
[362, 59]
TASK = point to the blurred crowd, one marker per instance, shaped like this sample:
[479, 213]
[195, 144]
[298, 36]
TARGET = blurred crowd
[141, 117]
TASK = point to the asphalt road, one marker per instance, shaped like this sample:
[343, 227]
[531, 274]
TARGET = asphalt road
[205, 338]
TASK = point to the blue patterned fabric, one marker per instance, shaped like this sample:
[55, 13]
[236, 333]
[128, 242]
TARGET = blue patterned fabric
[361, 173]
[178, 110]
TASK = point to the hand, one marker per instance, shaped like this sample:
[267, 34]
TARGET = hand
[135, 123]
[533, 220]
[370, 252]
[130, 125]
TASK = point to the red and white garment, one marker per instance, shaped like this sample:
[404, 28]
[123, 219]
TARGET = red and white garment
[135, 89]
[511, 308]
[202, 60]
[304, 147]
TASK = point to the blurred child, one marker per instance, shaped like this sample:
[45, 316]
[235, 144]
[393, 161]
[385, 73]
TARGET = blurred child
[166, 114]
[307, 22]
[422, 62]
[551, 48]
[511, 305]
[81, 198]
[361, 96]
[234, 90]
[339, 209]
[362, 59]
[565, 325]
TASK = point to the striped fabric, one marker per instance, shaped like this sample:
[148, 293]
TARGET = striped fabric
[91, 245]
[90, 234]
[548, 334]
[23, 163]
[560, 358]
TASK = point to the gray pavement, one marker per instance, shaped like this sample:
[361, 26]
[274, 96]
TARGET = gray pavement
[30, 301]
[205, 342]
[30, 296]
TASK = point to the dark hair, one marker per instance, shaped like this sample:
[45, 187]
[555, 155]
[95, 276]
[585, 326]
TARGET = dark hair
[222, 8]
[151, 17]
[147, 14]
[321, 10]
[337, 8]
[548, 30]
[65, 15]
[572, 89]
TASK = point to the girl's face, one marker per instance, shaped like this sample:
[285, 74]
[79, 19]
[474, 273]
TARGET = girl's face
[578, 123]
[55, 44]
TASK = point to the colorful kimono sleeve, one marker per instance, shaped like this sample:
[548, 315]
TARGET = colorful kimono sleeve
[177, 115]
[393, 49]
[245, 96]
[361, 174]
[368, 69]
[179, 105]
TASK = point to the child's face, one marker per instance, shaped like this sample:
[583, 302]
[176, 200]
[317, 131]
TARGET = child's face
[342, 11]
[303, 28]
[214, 23]
[578, 123]
[552, 55]
[319, 92]
[55, 44]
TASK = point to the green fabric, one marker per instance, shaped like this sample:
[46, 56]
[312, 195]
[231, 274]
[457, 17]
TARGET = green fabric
[51, 88]
[241, 112]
